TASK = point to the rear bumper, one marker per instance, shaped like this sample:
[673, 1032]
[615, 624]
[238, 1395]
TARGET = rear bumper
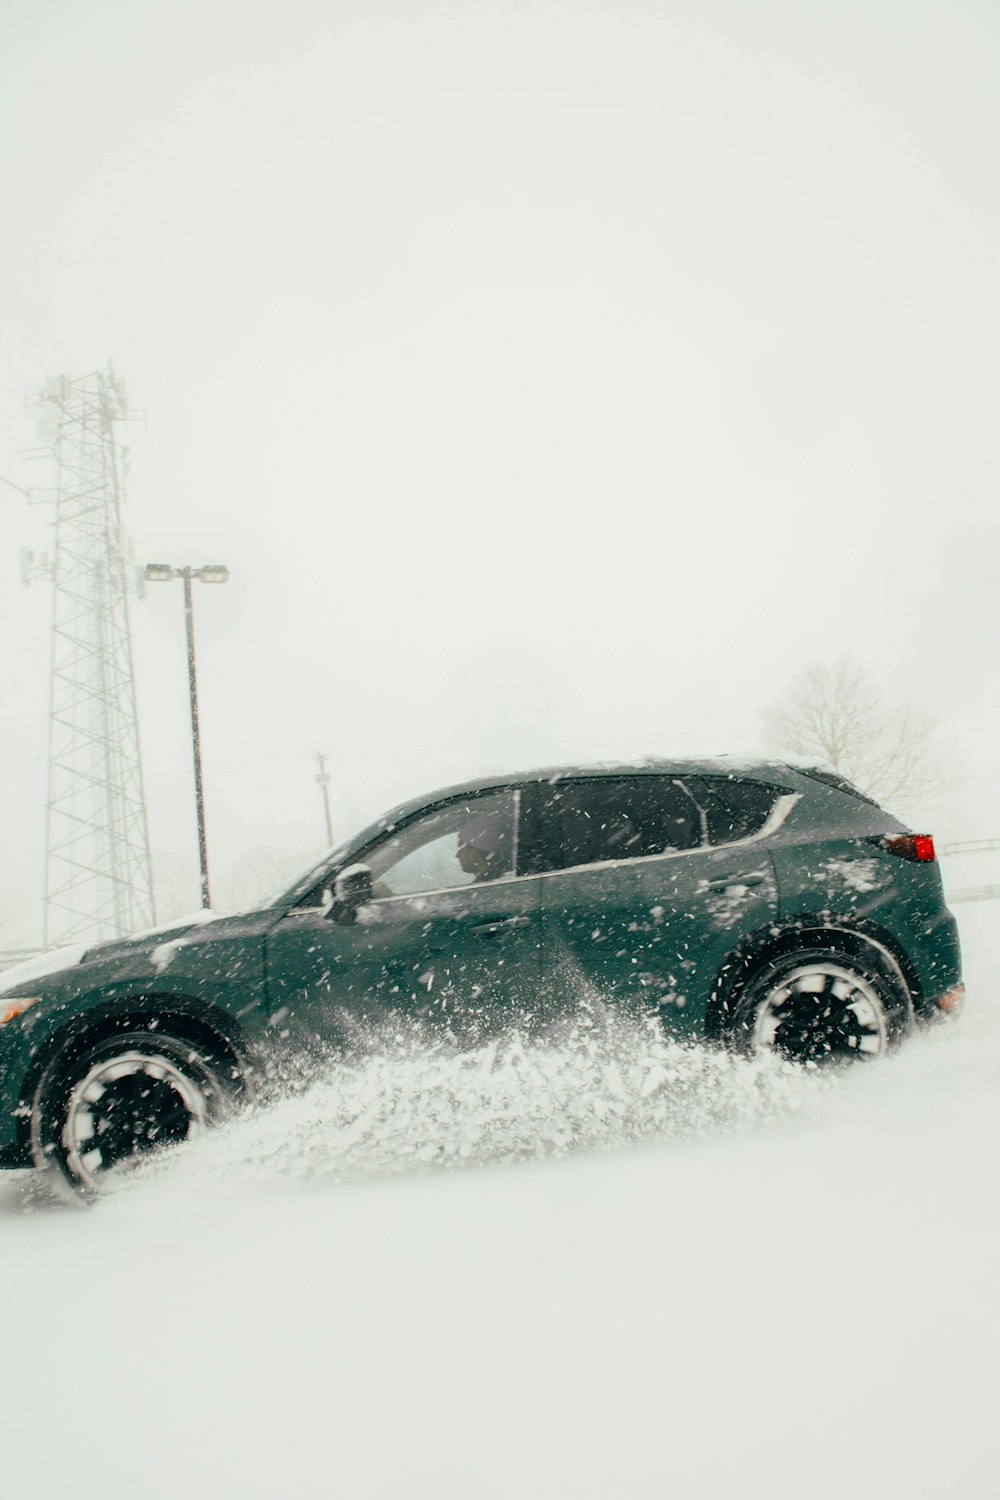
[934, 951]
[947, 1006]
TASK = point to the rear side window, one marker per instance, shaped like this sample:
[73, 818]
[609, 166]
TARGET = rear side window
[590, 822]
[734, 808]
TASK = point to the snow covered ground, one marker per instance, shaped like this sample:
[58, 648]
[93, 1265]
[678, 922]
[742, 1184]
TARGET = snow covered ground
[656, 1274]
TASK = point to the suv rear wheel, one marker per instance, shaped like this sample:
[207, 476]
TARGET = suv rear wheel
[817, 1006]
[102, 1108]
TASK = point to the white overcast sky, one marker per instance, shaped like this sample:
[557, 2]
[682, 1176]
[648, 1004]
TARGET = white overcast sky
[554, 379]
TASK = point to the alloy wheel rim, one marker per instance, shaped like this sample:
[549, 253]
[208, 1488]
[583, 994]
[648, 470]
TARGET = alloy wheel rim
[821, 1012]
[125, 1107]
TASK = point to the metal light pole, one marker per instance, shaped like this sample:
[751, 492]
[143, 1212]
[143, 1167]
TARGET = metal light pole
[211, 573]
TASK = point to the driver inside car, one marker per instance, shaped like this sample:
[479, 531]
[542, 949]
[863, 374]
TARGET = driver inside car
[484, 848]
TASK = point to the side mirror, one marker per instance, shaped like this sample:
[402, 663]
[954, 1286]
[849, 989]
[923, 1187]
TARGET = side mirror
[352, 888]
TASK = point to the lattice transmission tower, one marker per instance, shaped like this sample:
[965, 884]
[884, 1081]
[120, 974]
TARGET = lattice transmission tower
[98, 879]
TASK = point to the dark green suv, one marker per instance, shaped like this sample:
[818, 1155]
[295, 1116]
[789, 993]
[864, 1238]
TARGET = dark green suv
[760, 905]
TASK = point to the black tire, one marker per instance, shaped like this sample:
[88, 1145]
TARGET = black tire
[100, 1108]
[819, 1005]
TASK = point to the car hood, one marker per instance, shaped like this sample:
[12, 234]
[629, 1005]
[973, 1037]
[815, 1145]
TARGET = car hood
[138, 942]
[56, 961]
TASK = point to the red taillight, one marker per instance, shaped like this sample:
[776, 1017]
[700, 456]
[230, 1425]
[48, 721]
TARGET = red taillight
[918, 846]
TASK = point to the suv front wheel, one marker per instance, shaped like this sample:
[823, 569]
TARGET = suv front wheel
[102, 1108]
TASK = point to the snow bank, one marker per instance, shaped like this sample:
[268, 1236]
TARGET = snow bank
[774, 1289]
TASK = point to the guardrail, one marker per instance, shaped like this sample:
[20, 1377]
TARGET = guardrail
[974, 893]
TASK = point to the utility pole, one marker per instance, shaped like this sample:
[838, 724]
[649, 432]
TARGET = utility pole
[210, 573]
[323, 782]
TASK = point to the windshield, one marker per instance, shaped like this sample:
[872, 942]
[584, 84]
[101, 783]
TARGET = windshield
[291, 890]
[305, 876]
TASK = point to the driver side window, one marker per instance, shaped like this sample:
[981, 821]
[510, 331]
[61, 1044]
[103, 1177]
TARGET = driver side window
[465, 843]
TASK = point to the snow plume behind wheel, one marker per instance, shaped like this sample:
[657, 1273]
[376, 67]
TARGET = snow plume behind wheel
[103, 1109]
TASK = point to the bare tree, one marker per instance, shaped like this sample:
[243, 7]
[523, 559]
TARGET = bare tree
[835, 712]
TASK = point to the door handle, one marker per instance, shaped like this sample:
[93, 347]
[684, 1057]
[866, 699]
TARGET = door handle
[499, 927]
[725, 881]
